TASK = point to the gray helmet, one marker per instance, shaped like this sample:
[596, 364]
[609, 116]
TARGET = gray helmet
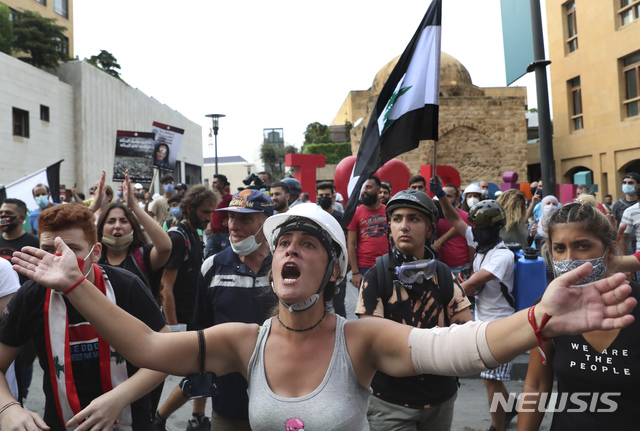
[487, 213]
[295, 188]
[413, 199]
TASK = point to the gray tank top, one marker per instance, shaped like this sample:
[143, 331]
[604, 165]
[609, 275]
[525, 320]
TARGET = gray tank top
[340, 402]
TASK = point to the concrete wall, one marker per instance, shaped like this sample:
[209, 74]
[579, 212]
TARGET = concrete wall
[87, 107]
[235, 173]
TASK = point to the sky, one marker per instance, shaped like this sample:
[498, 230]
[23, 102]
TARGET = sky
[279, 63]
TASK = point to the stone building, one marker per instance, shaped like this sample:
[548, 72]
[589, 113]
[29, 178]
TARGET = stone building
[483, 131]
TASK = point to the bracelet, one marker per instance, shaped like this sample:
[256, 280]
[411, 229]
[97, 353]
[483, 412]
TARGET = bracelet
[636, 255]
[355, 273]
[6, 406]
[66, 292]
[441, 193]
[537, 330]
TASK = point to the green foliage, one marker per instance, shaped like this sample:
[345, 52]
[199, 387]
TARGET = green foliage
[272, 157]
[42, 38]
[317, 133]
[6, 29]
[334, 151]
[106, 62]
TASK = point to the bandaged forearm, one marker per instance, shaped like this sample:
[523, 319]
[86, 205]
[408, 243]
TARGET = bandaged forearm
[457, 350]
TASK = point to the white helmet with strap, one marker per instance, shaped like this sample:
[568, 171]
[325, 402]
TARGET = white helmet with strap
[310, 218]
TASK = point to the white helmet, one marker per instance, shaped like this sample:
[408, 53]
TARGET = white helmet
[473, 188]
[329, 225]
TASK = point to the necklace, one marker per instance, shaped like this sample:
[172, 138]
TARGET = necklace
[305, 329]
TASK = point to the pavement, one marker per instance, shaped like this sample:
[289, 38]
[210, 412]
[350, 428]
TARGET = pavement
[471, 407]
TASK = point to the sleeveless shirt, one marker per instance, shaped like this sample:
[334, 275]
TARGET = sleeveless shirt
[339, 403]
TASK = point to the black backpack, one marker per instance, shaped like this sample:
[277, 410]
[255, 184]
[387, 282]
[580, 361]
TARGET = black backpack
[386, 282]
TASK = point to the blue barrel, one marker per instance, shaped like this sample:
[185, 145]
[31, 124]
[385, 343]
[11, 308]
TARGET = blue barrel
[530, 279]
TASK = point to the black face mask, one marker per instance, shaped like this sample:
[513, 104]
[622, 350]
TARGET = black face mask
[7, 223]
[534, 190]
[486, 237]
[324, 202]
[369, 200]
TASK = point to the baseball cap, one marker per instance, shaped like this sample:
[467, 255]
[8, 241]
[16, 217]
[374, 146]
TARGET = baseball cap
[250, 201]
[138, 186]
[181, 186]
[632, 175]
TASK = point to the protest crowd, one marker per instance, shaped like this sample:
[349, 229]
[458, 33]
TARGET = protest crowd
[193, 264]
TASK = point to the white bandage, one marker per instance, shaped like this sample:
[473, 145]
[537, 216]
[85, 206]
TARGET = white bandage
[457, 350]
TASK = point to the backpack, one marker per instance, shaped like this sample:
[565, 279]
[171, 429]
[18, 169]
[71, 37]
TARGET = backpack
[503, 287]
[385, 274]
[178, 228]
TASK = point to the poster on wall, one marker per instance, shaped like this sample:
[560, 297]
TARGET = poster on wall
[168, 141]
[134, 151]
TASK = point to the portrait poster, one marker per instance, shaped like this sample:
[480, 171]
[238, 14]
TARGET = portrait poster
[134, 151]
[168, 141]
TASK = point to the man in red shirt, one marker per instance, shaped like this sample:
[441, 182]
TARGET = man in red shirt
[218, 229]
[367, 232]
[452, 247]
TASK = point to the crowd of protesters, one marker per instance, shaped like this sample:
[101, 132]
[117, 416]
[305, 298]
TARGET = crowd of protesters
[199, 257]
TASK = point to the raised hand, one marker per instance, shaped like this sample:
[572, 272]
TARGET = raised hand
[55, 272]
[435, 186]
[601, 305]
[128, 193]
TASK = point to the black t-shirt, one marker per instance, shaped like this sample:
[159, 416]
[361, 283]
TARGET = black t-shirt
[185, 288]
[583, 374]
[7, 247]
[23, 320]
[151, 279]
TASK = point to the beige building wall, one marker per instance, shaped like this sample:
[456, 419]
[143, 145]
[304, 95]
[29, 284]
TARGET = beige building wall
[483, 131]
[235, 173]
[47, 11]
[609, 142]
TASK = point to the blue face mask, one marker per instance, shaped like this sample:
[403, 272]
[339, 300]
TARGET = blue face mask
[628, 189]
[168, 188]
[42, 201]
[175, 212]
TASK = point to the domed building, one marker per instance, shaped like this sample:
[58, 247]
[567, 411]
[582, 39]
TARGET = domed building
[482, 131]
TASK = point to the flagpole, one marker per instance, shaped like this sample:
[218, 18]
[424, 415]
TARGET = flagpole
[435, 157]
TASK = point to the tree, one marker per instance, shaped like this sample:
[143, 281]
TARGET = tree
[272, 157]
[317, 133]
[106, 62]
[334, 152]
[6, 29]
[42, 38]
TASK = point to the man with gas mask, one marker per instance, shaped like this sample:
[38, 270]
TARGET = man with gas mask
[491, 282]
[409, 286]
[325, 198]
[179, 286]
[232, 289]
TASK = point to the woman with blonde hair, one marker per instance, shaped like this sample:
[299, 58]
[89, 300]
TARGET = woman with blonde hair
[515, 231]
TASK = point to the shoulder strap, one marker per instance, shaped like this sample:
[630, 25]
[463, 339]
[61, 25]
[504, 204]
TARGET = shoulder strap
[445, 286]
[138, 261]
[178, 228]
[385, 277]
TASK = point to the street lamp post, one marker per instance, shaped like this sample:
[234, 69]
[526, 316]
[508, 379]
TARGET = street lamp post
[214, 119]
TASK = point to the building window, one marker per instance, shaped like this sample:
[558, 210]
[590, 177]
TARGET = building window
[576, 104]
[20, 122]
[61, 7]
[631, 74]
[572, 26]
[63, 45]
[629, 11]
[42, 2]
[44, 113]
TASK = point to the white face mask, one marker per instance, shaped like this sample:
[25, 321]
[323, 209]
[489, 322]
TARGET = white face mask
[246, 246]
[472, 201]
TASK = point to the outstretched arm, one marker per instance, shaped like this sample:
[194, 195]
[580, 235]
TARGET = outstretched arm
[173, 353]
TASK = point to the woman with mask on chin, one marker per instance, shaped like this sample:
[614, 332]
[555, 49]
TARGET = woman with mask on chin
[598, 372]
[306, 361]
[125, 244]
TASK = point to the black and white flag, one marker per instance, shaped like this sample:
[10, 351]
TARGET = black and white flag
[406, 111]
